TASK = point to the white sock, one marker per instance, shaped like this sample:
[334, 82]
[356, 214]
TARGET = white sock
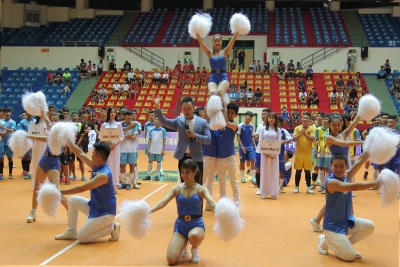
[158, 168]
[131, 177]
[320, 173]
[253, 174]
[366, 170]
[136, 177]
[149, 167]
[323, 178]
[122, 177]
[281, 182]
[161, 170]
[375, 175]
[242, 174]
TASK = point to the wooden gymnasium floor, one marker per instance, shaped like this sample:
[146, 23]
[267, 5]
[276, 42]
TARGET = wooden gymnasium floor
[277, 233]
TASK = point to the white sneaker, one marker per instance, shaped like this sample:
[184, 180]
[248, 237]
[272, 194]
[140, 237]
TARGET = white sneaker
[195, 255]
[258, 192]
[263, 197]
[70, 176]
[358, 256]
[309, 190]
[115, 232]
[353, 193]
[68, 235]
[322, 247]
[316, 226]
[296, 190]
[31, 217]
[185, 252]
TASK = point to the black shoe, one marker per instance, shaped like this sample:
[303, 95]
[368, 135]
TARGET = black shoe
[147, 178]
[365, 175]
[248, 171]
[156, 178]
[121, 186]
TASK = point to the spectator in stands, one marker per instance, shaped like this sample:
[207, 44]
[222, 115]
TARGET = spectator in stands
[348, 108]
[295, 117]
[165, 77]
[252, 67]
[388, 67]
[333, 96]
[199, 111]
[249, 97]
[102, 93]
[350, 58]
[244, 86]
[186, 66]
[258, 69]
[313, 98]
[381, 73]
[89, 68]
[142, 79]
[241, 55]
[188, 78]
[131, 76]
[281, 73]
[291, 72]
[117, 88]
[67, 76]
[82, 66]
[301, 84]
[258, 97]
[67, 88]
[134, 88]
[232, 87]
[303, 96]
[191, 67]
[298, 66]
[178, 66]
[181, 81]
[94, 71]
[175, 73]
[350, 84]
[395, 88]
[58, 77]
[95, 95]
[339, 84]
[309, 73]
[299, 72]
[290, 64]
[353, 97]
[198, 71]
[100, 67]
[363, 92]
[241, 95]
[266, 69]
[156, 76]
[344, 98]
[285, 114]
[112, 66]
[357, 79]
[126, 89]
[50, 78]
[281, 66]
[127, 66]
[196, 80]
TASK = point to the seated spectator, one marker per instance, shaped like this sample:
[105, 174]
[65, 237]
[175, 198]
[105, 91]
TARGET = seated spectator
[357, 79]
[112, 66]
[290, 64]
[258, 69]
[313, 98]
[67, 88]
[253, 66]
[100, 67]
[301, 84]
[339, 84]
[266, 69]
[395, 88]
[344, 98]
[353, 97]
[298, 66]
[134, 88]
[102, 93]
[232, 87]
[198, 71]
[67, 76]
[127, 66]
[188, 78]
[363, 92]
[281, 66]
[131, 76]
[348, 108]
[196, 80]
[388, 67]
[165, 78]
[285, 114]
[126, 89]
[58, 77]
[303, 96]
[281, 74]
[82, 66]
[138, 78]
[95, 95]
[258, 97]
[249, 97]
[241, 94]
[333, 97]
[142, 78]
[175, 73]
[156, 76]
[186, 66]
[381, 73]
[181, 81]
[191, 67]
[50, 78]
[117, 88]
[243, 86]
[291, 72]
[295, 116]
[309, 73]
[178, 66]
[204, 76]
[299, 72]
[93, 72]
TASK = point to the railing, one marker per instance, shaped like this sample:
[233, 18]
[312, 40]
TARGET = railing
[81, 43]
[356, 41]
[147, 55]
[320, 55]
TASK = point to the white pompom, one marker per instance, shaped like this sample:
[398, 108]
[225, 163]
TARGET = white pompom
[135, 215]
[369, 107]
[214, 105]
[34, 103]
[381, 144]
[201, 24]
[61, 134]
[229, 224]
[49, 198]
[19, 143]
[217, 121]
[226, 99]
[240, 23]
[389, 182]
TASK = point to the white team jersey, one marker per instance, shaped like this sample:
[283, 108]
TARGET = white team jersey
[157, 136]
[129, 145]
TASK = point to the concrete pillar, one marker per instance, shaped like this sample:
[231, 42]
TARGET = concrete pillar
[6, 14]
[270, 5]
[334, 6]
[146, 5]
[208, 4]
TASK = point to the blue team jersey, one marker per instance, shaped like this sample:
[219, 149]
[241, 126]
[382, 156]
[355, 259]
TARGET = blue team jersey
[226, 145]
[211, 150]
[24, 124]
[10, 124]
[246, 134]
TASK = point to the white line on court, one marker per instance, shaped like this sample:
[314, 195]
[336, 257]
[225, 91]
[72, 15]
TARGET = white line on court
[76, 242]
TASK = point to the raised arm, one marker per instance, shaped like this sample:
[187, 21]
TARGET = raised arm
[203, 46]
[82, 156]
[228, 48]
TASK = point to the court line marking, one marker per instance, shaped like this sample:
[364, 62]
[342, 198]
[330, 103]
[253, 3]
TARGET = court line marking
[76, 242]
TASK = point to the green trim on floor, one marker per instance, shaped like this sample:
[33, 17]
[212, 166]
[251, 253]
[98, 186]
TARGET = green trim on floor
[378, 88]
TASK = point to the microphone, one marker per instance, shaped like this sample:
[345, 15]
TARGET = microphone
[187, 128]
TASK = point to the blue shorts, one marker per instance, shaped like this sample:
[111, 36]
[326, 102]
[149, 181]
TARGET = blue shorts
[145, 149]
[249, 155]
[378, 166]
[324, 162]
[128, 158]
[257, 163]
[183, 227]
[218, 77]
[8, 152]
[1, 150]
[393, 164]
[281, 164]
[155, 157]
[48, 163]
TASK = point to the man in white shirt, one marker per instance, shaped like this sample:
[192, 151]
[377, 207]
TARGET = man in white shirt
[165, 78]
[156, 147]
[93, 71]
[253, 66]
[125, 88]
[157, 77]
[100, 67]
[117, 88]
